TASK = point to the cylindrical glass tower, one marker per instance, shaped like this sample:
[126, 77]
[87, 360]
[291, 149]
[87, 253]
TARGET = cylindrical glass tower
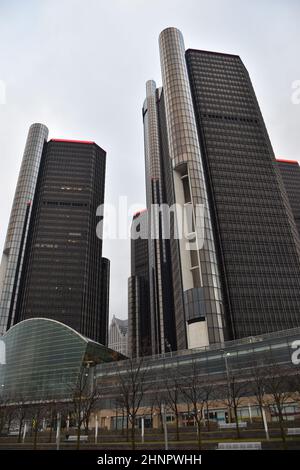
[13, 253]
[154, 199]
[200, 274]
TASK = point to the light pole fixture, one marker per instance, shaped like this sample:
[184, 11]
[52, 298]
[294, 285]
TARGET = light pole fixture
[226, 355]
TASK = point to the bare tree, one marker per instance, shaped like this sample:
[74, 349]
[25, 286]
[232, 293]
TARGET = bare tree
[132, 388]
[234, 391]
[10, 415]
[4, 402]
[173, 395]
[22, 412]
[36, 412]
[153, 405]
[194, 392]
[295, 385]
[54, 407]
[208, 393]
[52, 415]
[120, 405]
[279, 392]
[84, 397]
[158, 398]
[257, 384]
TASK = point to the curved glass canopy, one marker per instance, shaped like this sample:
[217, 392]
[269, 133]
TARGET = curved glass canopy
[44, 358]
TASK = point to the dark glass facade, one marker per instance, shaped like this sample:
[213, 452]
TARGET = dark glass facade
[290, 173]
[139, 323]
[16, 237]
[102, 324]
[166, 303]
[201, 281]
[45, 359]
[64, 276]
[258, 247]
[206, 145]
[176, 320]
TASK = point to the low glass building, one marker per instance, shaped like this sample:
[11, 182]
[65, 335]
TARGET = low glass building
[216, 364]
[44, 359]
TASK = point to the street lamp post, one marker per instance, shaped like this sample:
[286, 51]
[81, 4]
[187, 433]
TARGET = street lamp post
[226, 355]
[90, 378]
[163, 413]
[168, 346]
[143, 429]
[265, 418]
[24, 432]
[96, 428]
[58, 430]
[250, 412]
[265, 423]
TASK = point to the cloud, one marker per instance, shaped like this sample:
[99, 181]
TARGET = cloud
[81, 67]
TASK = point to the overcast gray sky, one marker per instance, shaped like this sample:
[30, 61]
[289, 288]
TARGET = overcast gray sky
[80, 67]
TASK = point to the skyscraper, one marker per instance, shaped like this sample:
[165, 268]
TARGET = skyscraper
[60, 272]
[163, 307]
[118, 335]
[290, 173]
[258, 245]
[206, 146]
[14, 247]
[101, 326]
[139, 323]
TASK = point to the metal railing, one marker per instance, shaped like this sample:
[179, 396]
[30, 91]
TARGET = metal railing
[222, 347]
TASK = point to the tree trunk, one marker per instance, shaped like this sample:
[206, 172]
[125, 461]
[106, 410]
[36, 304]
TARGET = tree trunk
[207, 415]
[20, 428]
[116, 425]
[229, 414]
[86, 426]
[133, 434]
[261, 414]
[281, 425]
[9, 423]
[199, 434]
[177, 426]
[2, 421]
[78, 436]
[35, 435]
[238, 434]
[161, 422]
[51, 428]
[123, 423]
[127, 428]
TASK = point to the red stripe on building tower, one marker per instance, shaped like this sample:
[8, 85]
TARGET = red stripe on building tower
[282, 160]
[139, 212]
[73, 141]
